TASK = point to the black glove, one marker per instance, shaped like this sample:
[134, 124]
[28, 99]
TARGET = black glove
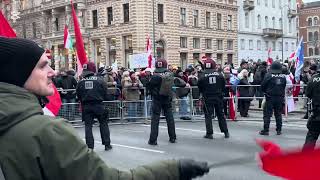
[190, 169]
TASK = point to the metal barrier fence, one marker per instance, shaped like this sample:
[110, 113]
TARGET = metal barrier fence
[190, 107]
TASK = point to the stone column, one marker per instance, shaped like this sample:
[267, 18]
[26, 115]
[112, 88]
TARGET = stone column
[56, 57]
[53, 21]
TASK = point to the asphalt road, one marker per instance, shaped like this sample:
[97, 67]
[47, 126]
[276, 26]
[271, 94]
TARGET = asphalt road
[130, 147]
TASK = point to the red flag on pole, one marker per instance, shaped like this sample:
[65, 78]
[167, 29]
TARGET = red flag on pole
[149, 52]
[289, 164]
[5, 28]
[81, 53]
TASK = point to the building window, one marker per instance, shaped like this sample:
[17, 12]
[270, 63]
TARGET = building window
[250, 44]
[310, 36]
[196, 43]
[316, 51]
[292, 47]
[266, 45]
[274, 46]
[56, 22]
[259, 45]
[280, 23]
[196, 57]
[259, 21]
[258, 2]
[24, 31]
[34, 29]
[280, 4]
[290, 26]
[95, 18]
[242, 44]
[315, 21]
[247, 20]
[310, 22]
[219, 21]
[110, 15]
[220, 44]
[183, 60]
[208, 20]
[266, 3]
[183, 16]
[208, 43]
[273, 22]
[229, 22]
[266, 22]
[310, 52]
[273, 3]
[195, 18]
[280, 46]
[287, 46]
[128, 49]
[183, 42]
[230, 44]
[315, 37]
[160, 13]
[126, 13]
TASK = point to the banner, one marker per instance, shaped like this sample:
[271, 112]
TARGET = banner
[138, 61]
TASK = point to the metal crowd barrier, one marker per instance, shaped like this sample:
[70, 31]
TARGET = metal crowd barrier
[188, 108]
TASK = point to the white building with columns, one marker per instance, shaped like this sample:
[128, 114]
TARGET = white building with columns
[265, 24]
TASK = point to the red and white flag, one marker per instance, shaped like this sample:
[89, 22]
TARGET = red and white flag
[149, 52]
[269, 60]
[5, 28]
[81, 53]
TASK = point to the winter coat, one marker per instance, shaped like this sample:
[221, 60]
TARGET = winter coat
[111, 87]
[181, 90]
[39, 147]
[131, 92]
[193, 81]
[67, 83]
[245, 91]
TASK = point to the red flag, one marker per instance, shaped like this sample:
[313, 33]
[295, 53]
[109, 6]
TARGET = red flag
[232, 111]
[82, 57]
[54, 104]
[289, 164]
[149, 52]
[5, 28]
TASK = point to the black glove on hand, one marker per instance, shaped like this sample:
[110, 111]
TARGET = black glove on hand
[190, 169]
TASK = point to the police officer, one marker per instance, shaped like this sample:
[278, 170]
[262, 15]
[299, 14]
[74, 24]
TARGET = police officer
[92, 91]
[273, 86]
[160, 87]
[212, 86]
[313, 124]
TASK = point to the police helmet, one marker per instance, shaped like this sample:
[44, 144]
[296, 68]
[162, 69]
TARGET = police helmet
[276, 67]
[90, 66]
[161, 65]
[209, 64]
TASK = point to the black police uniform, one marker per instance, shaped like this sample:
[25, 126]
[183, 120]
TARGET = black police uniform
[273, 86]
[92, 91]
[313, 125]
[212, 86]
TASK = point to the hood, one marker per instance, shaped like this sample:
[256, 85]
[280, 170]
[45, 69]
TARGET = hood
[16, 105]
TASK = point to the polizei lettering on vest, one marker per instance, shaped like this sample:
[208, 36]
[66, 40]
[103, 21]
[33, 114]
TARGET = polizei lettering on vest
[212, 74]
[278, 75]
[91, 78]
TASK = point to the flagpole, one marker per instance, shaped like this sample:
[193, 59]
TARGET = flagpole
[153, 31]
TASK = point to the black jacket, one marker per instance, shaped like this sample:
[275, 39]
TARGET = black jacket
[245, 90]
[67, 83]
[212, 85]
[92, 89]
[313, 90]
[274, 85]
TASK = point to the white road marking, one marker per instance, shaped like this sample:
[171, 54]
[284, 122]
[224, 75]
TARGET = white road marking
[287, 125]
[184, 129]
[133, 147]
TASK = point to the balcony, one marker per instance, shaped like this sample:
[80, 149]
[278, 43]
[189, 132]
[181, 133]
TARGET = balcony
[292, 13]
[270, 32]
[52, 4]
[248, 5]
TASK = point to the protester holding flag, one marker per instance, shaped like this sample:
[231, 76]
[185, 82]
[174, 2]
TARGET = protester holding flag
[46, 147]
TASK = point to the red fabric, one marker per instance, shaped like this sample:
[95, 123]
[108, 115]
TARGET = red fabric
[296, 90]
[54, 102]
[232, 112]
[65, 35]
[5, 28]
[79, 41]
[149, 52]
[289, 164]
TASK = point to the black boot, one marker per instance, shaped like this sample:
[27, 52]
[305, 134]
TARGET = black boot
[208, 136]
[264, 132]
[107, 147]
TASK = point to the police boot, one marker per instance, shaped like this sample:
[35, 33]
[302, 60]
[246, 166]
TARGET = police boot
[172, 140]
[152, 143]
[279, 132]
[264, 132]
[107, 147]
[208, 136]
[226, 135]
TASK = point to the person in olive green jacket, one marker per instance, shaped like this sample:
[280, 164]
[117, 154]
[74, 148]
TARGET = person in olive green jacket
[34, 146]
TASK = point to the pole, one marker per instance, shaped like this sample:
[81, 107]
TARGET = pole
[282, 33]
[153, 31]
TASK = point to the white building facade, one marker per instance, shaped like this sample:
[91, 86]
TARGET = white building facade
[264, 25]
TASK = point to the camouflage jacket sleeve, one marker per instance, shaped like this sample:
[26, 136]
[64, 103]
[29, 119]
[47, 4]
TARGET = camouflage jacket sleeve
[66, 156]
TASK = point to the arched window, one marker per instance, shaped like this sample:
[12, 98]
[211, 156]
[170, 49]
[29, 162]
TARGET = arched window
[316, 51]
[280, 24]
[315, 36]
[259, 21]
[310, 22]
[273, 22]
[315, 21]
[266, 23]
[310, 36]
[310, 52]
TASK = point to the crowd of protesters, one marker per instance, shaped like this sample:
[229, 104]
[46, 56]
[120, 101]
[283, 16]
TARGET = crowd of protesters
[130, 85]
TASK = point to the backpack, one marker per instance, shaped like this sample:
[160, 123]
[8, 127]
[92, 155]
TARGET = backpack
[167, 83]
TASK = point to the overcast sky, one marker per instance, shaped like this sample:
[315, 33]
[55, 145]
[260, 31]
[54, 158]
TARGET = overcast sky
[306, 1]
